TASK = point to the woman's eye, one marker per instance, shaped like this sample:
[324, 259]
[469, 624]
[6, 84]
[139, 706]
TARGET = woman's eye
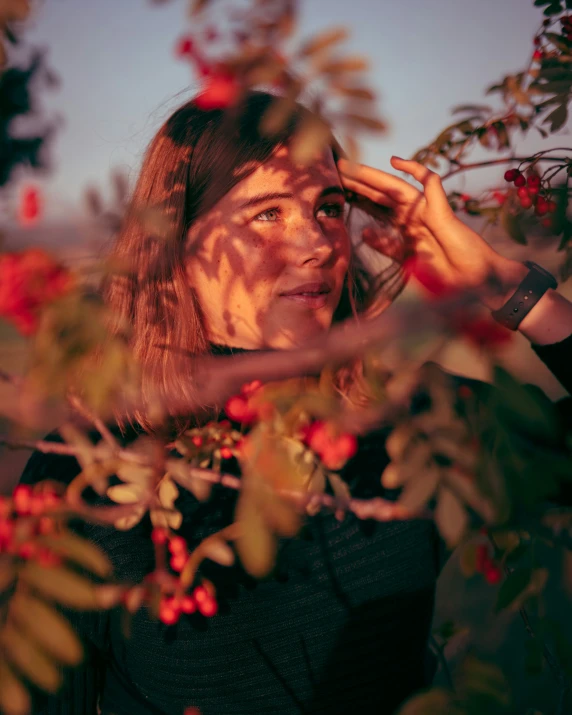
[332, 210]
[268, 215]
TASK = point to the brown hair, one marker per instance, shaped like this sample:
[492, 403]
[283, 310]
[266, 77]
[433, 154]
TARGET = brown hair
[194, 160]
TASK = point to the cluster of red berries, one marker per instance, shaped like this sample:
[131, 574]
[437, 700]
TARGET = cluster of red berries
[487, 566]
[29, 280]
[22, 543]
[241, 408]
[201, 600]
[529, 193]
[333, 449]
[218, 436]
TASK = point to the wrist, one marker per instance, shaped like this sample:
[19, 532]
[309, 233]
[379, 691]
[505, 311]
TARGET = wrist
[507, 276]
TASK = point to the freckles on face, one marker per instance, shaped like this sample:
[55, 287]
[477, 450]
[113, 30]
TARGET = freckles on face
[279, 228]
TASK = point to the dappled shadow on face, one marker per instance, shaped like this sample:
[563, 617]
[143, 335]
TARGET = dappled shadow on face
[247, 250]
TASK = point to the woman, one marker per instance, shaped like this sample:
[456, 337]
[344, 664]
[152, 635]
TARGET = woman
[260, 257]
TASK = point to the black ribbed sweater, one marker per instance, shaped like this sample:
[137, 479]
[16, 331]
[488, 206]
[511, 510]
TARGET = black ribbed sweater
[341, 627]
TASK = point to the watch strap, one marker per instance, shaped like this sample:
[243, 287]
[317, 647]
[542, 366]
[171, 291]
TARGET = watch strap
[533, 286]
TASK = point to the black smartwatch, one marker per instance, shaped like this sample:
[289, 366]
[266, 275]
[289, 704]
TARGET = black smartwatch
[534, 285]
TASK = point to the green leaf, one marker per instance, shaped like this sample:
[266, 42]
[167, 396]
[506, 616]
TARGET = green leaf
[553, 9]
[81, 551]
[511, 225]
[557, 118]
[540, 3]
[513, 586]
[523, 406]
[29, 660]
[61, 585]
[14, 697]
[48, 627]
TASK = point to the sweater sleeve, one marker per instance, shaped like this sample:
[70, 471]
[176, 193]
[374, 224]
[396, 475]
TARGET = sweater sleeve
[80, 692]
[558, 359]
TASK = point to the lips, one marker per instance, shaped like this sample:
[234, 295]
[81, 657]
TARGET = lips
[309, 289]
[309, 295]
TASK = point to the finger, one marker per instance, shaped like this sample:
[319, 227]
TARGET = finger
[378, 180]
[375, 195]
[431, 181]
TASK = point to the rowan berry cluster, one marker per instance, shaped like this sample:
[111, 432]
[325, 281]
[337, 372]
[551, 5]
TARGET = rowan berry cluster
[172, 606]
[19, 538]
[530, 193]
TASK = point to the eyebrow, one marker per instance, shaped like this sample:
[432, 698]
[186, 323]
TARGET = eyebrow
[261, 198]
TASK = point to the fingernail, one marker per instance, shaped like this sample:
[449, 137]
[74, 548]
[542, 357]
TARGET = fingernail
[397, 157]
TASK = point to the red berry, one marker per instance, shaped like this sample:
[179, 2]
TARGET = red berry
[177, 545]
[533, 180]
[208, 607]
[159, 535]
[22, 497]
[465, 392]
[533, 190]
[6, 531]
[226, 452]
[520, 180]
[511, 174]
[526, 202]
[27, 550]
[541, 206]
[536, 41]
[493, 574]
[547, 222]
[168, 614]
[200, 594]
[5, 507]
[522, 193]
[552, 206]
[188, 604]
[197, 440]
[465, 197]
[178, 562]
[537, 55]
[184, 47]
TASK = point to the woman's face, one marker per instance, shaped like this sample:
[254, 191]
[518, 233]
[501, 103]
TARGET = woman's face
[269, 261]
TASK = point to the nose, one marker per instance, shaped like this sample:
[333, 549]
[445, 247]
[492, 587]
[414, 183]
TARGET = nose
[313, 245]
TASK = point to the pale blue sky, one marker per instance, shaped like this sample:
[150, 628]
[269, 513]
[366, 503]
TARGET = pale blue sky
[120, 79]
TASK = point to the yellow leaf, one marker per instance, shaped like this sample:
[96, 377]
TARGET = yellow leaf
[166, 518]
[61, 585]
[310, 139]
[29, 660]
[323, 41]
[82, 551]
[168, 493]
[256, 545]
[346, 64]
[125, 523]
[366, 122]
[135, 473]
[14, 698]
[126, 493]
[282, 517]
[48, 627]
[277, 115]
[217, 550]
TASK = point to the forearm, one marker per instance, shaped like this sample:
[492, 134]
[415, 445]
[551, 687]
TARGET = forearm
[550, 321]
